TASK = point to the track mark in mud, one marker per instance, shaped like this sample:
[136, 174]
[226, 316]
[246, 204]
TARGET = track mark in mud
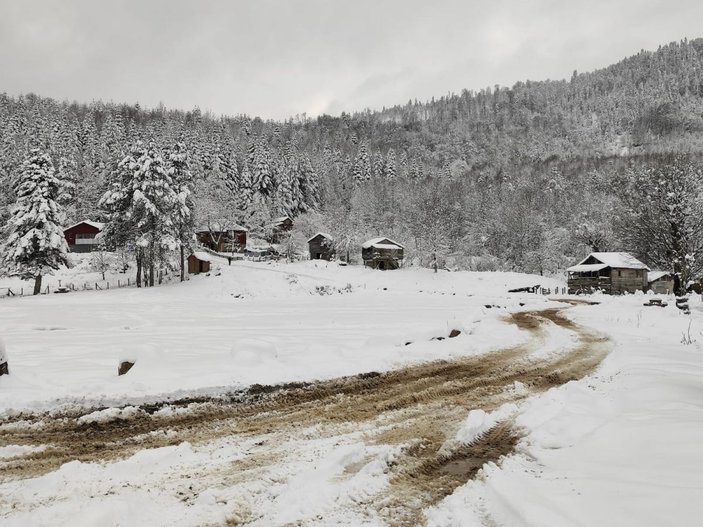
[419, 408]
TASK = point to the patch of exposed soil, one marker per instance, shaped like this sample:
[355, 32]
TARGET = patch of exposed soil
[419, 407]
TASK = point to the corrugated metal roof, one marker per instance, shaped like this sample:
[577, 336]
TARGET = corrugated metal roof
[323, 234]
[95, 224]
[656, 275]
[374, 242]
[590, 268]
[618, 260]
[205, 257]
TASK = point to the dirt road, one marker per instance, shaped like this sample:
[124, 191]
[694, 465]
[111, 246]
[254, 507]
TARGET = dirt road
[419, 408]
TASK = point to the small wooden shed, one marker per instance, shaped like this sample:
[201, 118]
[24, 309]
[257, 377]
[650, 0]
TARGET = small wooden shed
[382, 253]
[661, 282]
[199, 262]
[611, 272]
[321, 246]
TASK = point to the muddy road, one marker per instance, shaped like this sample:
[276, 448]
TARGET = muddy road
[419, 408]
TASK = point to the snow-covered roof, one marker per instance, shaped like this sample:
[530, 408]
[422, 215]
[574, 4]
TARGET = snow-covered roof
[379, 244]
[618, 260]
[95, 224]
[653, 276]
[280, 219]
[216, 227]
[586, 268]
[323, 234]
[203, 256]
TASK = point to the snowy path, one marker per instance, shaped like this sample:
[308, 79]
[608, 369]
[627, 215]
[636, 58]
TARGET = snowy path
[375, 448]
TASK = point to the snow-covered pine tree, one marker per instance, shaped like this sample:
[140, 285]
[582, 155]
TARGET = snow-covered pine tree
[154, 199]
[361, 171]
[35, 244]
[308, 183]
[182, 216]
[261, 170]
[389, 167]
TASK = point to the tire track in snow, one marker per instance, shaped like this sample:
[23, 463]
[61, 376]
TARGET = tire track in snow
[419, 408]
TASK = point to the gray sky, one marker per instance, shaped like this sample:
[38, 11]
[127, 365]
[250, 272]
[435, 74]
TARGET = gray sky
[276, 58]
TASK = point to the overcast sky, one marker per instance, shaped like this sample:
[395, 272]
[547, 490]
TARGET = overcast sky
[276, 58]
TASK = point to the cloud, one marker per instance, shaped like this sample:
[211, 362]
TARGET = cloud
[277, 58]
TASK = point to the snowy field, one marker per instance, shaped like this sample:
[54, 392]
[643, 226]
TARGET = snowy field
[620, 447]
[253, 323]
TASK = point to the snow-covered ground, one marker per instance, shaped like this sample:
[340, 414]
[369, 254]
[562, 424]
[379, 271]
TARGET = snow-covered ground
[620, 447]
[247, 323]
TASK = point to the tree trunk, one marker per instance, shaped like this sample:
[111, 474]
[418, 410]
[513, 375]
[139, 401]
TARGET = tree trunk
[183, 275]
[140, 257]
[37, 284]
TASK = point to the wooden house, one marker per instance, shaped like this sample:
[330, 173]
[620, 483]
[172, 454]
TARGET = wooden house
[613, 273]
[279, 227]
[222, 239]
[199, 262]
[661, 282]
[81, 237]
[321, 246]
[382, 253]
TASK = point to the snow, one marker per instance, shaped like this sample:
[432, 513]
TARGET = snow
[619, 447]
[653, 276]
[203, 256]
[379, 242]
[95, 224]
[246, 323]
[323, 234]
[586, 268]
[217, 227]
[616, 260]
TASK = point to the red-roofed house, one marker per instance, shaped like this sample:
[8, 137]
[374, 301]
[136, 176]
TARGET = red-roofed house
[81, 236]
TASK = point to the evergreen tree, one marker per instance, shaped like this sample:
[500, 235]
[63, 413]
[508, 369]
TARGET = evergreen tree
[35, 244]
[389, 168]
[182, 217]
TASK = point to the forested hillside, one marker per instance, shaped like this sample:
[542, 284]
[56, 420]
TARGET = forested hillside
[526, 178]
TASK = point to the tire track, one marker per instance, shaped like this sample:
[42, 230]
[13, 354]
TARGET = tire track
[418, 407]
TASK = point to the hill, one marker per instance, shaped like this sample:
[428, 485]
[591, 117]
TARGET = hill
[503, 178]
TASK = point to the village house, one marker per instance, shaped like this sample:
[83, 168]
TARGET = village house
[321, 246]
[661, 282]
[382, 253]
[222, 239]
[612, 272]
[279, 227]
[81, 237]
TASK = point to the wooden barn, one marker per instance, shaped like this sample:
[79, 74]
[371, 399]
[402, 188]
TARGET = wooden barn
[321, 246]
[199, 262]
[613, 273]
[382, 253]
[279, 227]
[81, 237]
[222, 239]
[661, 282]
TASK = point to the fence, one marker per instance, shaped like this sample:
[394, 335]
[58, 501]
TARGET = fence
[102, 285]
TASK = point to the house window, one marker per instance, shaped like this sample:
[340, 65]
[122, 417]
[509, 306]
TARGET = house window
[84, 236]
